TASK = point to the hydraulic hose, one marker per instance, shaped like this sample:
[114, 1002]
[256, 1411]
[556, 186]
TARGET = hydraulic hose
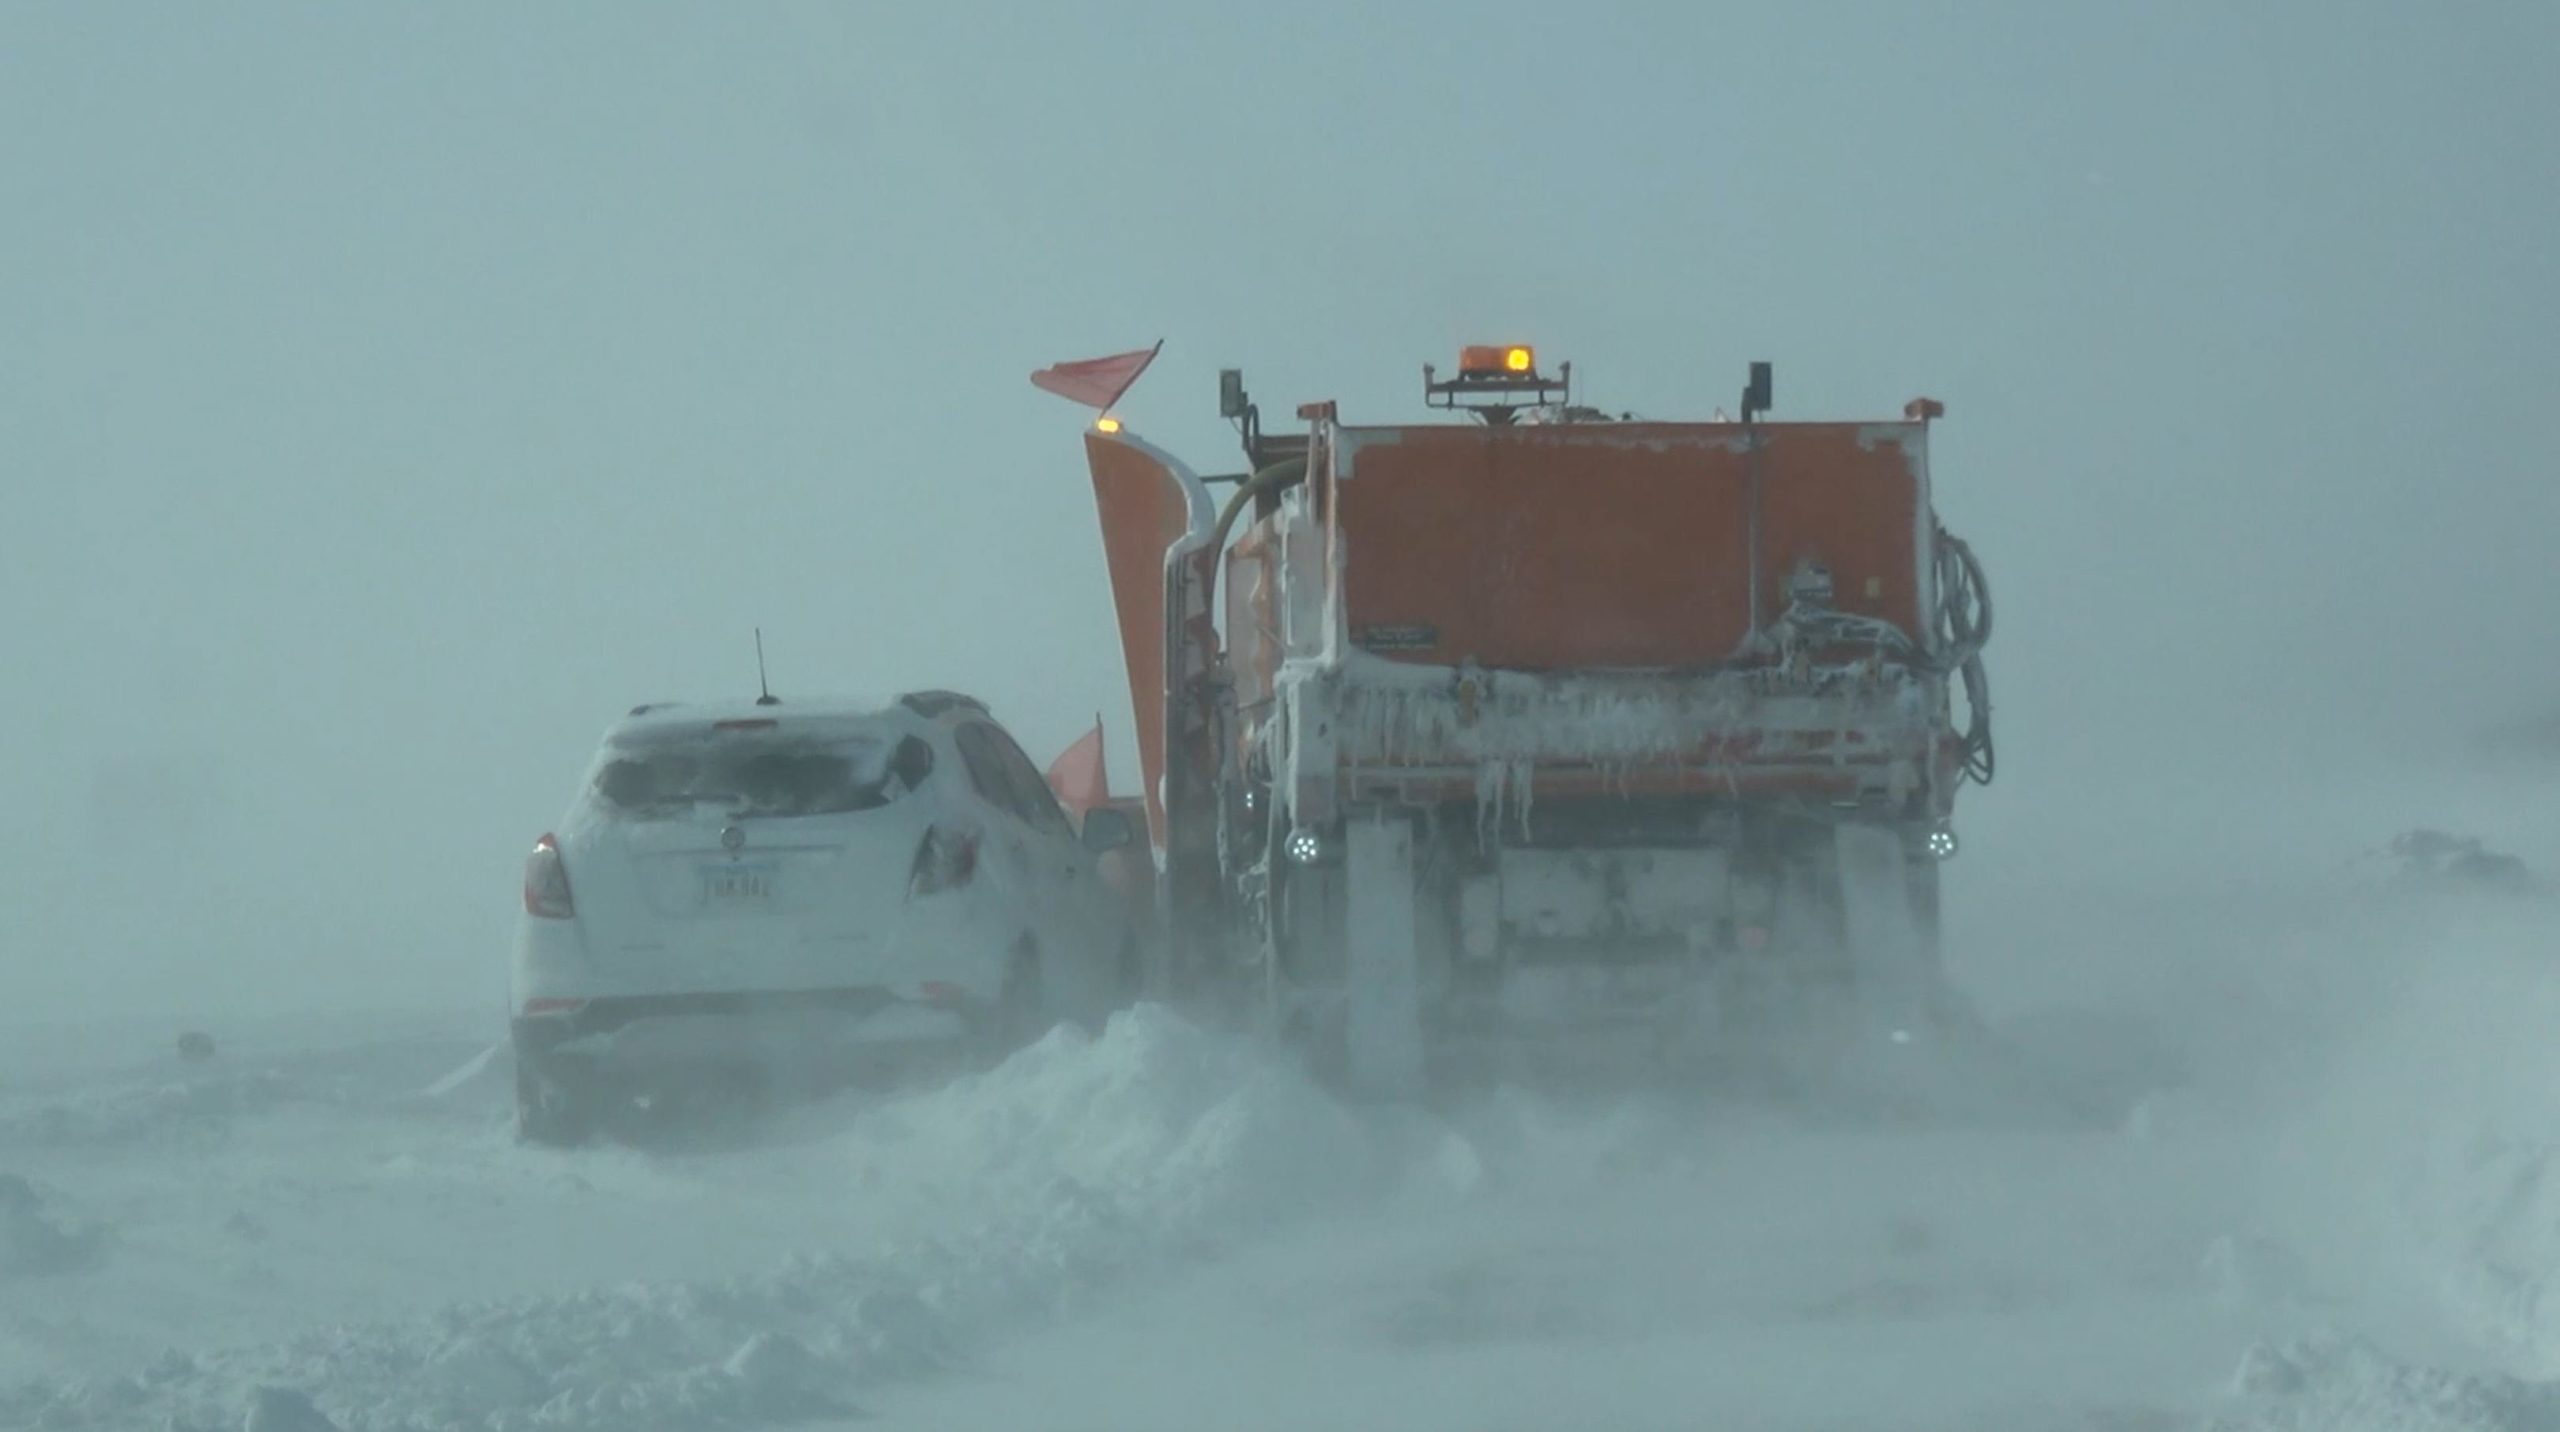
[1964, 628]
[1964, 601]
[1979, 762]
[1281, 475]
[1288, 472]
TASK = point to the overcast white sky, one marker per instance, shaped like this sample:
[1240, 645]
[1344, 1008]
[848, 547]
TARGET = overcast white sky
[389, 396]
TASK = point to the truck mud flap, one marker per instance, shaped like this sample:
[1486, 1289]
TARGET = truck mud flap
[1382, 978]
[1891, 948]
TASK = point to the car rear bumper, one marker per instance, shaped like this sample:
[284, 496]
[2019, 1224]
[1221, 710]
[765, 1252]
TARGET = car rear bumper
[761, 1037]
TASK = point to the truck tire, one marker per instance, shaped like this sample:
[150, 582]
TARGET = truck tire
[1925, 875]
[1129, 978]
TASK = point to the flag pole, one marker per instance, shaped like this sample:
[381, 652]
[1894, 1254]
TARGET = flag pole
[1122, 391]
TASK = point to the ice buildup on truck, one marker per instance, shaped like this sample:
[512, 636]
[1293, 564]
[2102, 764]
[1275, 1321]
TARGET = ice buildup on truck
[1464, 738]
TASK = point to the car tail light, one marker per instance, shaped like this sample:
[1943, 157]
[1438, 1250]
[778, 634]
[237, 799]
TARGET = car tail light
[553, 1006]
[944, 861]
[943, 993]
[546, 882]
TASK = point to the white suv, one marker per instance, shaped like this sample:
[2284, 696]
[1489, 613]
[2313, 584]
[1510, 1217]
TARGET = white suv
[779, 896]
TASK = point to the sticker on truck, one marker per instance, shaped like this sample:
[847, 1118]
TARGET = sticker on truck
[1397, 638]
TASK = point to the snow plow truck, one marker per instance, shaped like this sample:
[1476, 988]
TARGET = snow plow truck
[1534, 728]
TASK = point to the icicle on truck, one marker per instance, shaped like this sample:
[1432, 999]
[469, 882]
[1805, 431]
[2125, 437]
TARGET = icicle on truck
[1467, 739]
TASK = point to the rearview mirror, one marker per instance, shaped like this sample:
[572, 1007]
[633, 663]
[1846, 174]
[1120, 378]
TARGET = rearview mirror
[1107, 828]
[1756, 395]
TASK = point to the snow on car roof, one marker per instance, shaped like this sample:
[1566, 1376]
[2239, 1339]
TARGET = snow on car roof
[798, 710]
[659, 717]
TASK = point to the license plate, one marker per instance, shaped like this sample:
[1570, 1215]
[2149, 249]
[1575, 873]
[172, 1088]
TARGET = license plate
[736, 884]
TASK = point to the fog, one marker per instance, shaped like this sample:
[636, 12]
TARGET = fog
[390, 398]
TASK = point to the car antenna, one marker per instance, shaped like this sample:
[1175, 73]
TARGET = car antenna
[767, 698]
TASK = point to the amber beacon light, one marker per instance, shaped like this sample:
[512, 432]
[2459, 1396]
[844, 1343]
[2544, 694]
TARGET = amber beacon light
[1489, 360]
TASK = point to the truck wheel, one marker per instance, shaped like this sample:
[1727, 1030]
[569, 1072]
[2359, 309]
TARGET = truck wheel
[1131, 975]
[1924, 908]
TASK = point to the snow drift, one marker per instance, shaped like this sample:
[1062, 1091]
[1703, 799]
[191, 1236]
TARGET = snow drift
[1078, 1162]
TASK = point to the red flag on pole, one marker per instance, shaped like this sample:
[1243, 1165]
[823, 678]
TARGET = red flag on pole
[1078, 776]
[1096, 382]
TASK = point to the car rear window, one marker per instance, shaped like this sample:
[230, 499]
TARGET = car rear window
[760, 773]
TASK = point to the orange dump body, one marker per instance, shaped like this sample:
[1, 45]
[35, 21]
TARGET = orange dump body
[1628, 595]
[1620, 545]
[1608, 579]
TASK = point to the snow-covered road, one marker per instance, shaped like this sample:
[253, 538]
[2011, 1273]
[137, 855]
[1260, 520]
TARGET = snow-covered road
[2324, 1197]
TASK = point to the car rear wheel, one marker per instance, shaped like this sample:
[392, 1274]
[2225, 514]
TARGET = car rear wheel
[1021, 1011]
[548, 1111]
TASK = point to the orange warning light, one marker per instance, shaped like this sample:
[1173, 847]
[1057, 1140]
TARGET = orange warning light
[1489, 360]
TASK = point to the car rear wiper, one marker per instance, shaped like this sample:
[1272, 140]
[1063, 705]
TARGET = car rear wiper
[687, 800]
